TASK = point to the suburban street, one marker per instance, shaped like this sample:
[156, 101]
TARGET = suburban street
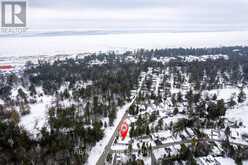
[107, 148]
[183, 142]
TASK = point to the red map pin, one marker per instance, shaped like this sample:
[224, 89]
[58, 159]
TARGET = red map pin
[123, 130]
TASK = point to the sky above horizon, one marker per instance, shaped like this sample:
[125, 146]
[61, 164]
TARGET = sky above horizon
[153, 15]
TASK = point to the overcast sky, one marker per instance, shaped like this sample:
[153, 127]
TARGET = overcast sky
[158, 15]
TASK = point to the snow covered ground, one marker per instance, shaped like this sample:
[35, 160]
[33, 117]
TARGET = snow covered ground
[26, 46]
[226, 161]
[99, 148]
[36, 119]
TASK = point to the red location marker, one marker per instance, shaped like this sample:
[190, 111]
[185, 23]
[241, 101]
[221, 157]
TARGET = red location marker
[123, 130]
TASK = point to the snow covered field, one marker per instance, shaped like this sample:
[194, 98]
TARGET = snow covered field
[34, 121]
[51, 45]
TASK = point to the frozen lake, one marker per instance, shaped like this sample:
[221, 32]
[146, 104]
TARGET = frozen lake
[51, 45]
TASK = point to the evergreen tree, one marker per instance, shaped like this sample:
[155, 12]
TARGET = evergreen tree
[241, 96]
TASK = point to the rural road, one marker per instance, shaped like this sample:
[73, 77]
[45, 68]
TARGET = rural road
[107, 149]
